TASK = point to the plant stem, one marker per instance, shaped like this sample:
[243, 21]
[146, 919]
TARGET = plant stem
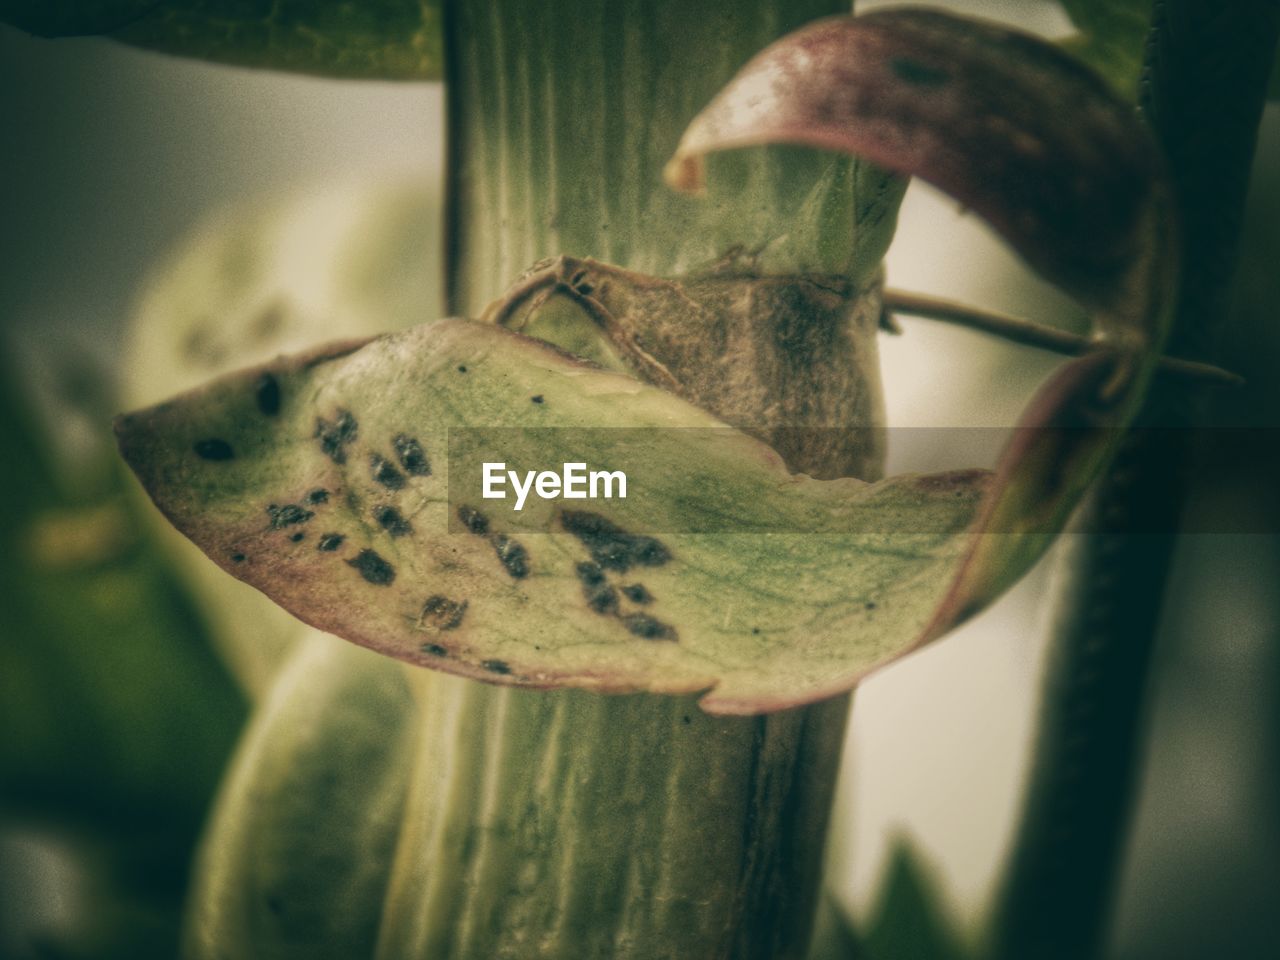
[1030, 334]
[572, 824]
[1203, 92]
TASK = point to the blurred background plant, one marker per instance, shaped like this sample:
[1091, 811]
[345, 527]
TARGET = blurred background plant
[287, 210]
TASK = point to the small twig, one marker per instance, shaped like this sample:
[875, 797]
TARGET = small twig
[1036, 335]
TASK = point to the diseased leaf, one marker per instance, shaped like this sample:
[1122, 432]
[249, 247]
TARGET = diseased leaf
[257, 281]
[380, 39]
[339, 507]
[1111, 39]
[1051, 157]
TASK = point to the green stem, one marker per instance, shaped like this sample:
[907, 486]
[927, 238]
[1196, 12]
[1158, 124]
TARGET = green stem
[571, 824]
[1203, 93]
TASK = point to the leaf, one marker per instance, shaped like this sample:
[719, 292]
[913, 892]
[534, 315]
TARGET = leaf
[68, 18]
[297, 856]
[1009, 125]
[1043, 150]
[343, 507]
[1111, 38]
[911, 920]
[255, 281]
[382, 39]
[833, 935]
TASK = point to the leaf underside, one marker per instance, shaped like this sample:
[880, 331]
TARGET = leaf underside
[377, 39]
[294, 495]
[1009, 125]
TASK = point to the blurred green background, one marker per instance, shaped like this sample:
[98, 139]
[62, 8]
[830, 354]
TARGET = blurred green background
[117, 713]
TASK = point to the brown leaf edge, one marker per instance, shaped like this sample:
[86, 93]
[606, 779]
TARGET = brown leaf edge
[980, 111]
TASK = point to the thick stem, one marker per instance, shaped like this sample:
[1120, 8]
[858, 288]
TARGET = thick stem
[1203, 93]
[569, 824]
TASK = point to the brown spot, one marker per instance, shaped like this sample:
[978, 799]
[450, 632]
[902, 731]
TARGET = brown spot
[336, 435]
[411, 456]
[373, 568]
[213, 449]
[330, 542]
[441, 613]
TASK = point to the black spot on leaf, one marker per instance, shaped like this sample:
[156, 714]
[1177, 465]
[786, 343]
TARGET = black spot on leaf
[442, 613]
[390, 520]
[590, 574]
[318, 496]
[497, 666]
[462, 368]
[536, 398]
[612, 547]
[336, 435]
[237, 558]
[601, 597]
[643, 625]
[213, 449]
[512, 554]
[267, 393]
[434, 650]
[637, 593]
[475, 521]
[330, 542]
[298, 537]
[411, 456]
[287, 515]
[373, 568]
[385, 473]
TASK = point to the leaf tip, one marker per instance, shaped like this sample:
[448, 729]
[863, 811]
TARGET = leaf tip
[685, 173]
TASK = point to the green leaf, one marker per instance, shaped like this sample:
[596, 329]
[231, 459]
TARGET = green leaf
[833, 935]
[380, 39]
[69, 18]
[911, 920]
[297, 856]
[1111, 38]
[1043, 150]
[342, 507]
